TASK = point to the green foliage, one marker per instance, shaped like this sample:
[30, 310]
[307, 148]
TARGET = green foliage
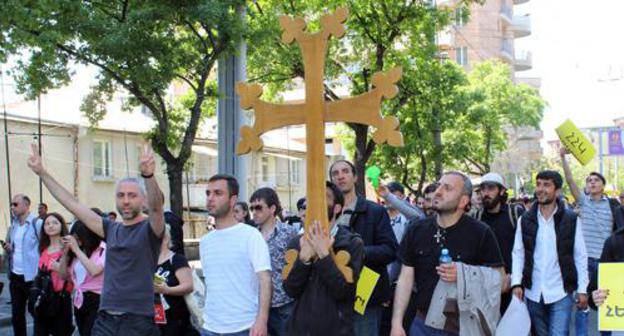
[141, 48]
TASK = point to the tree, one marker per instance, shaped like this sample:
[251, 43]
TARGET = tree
[380, 35]
[141, 47]
[495, 103]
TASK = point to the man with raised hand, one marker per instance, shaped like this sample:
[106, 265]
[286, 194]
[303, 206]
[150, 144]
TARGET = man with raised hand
[133, 245]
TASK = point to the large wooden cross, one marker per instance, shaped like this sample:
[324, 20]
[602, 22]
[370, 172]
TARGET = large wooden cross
[315, 111]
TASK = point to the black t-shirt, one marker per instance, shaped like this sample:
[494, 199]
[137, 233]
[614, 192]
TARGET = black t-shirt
[177, 306]
[504, 231]
[469, 241]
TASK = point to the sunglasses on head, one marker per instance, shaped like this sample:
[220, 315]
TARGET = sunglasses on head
[257, 207]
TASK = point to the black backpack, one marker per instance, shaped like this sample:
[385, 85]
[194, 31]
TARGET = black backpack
[43, 301]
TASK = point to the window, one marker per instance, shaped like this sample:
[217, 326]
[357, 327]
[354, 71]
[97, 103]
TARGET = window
[264, 166]
[459, 17]
[461, 55]
[295, 172]
[102, 161]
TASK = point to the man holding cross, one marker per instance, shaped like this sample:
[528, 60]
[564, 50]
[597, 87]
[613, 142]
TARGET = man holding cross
[133, 246]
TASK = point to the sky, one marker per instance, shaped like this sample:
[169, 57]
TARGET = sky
[578, 52]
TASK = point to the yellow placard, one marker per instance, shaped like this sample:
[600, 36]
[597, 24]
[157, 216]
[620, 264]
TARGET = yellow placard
[366, 284]
[611, 312]
[576, 142]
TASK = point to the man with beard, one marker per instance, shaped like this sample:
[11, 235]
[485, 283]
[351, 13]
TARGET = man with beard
[324, 299]
[132, 247]
[549, 260]
[236, 265]
[467, 240]
[372, 223]
[502, 218]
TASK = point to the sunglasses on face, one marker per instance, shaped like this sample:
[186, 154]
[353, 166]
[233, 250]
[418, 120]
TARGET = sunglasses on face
[14, 204]
[256, 207]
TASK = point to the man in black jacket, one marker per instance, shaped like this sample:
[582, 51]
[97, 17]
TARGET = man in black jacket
[372, 223]
[324, 298]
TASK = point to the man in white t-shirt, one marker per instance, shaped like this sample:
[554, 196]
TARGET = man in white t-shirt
[237, 268]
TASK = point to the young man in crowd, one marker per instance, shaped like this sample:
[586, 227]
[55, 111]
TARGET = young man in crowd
[549, 260]
[264, 207]
[467, 240]
[372, 223]
[324, 298]
[502, 218]
[237, 268]
[132, 247]
[22, 247]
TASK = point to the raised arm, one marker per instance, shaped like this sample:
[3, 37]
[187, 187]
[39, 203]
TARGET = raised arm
[155, 196]
[92, 220]
[576, 192]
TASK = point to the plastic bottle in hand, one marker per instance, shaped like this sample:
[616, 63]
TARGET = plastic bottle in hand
[445, 257]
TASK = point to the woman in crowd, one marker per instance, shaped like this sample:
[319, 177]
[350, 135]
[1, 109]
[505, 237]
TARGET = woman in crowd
[173, 280]
[241, 213]
[84, 265]
[56, 319]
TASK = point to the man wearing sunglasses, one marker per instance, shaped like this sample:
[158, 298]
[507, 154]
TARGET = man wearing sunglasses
[264, 207]
[22, 247]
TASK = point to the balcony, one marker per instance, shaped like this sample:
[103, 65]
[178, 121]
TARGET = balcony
[445, 39]
[523, 61]
[506, 14]
[519, 2]
[507, 51]
[521, 25]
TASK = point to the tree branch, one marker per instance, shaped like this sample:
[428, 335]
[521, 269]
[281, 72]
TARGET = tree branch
[198, 35]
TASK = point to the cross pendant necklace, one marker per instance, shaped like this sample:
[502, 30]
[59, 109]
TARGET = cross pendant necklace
[438, 236]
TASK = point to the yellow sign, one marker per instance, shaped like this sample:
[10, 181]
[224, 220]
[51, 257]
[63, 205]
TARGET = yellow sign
[611, 312]
[366, 284]
[576, 142]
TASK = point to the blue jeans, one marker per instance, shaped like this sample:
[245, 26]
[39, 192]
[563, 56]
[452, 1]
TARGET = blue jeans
[204, 332]
[278, 317]
[369, 323]
[419, 328]
[125, 324]
[551, 319]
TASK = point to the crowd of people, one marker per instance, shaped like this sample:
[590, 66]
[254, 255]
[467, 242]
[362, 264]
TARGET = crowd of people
[449, 262]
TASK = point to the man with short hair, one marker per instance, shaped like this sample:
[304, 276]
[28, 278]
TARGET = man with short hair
[429, 194]
[549, 260]
[601, 217]
[132, 247]
[112, 216]
[264, 205]
[236, 265]
[22, 247]
[42, 210]
[372, 223]
[502, 218]
[324, 298]
[467, 240]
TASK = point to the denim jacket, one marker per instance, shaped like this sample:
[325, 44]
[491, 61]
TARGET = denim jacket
[30, 243]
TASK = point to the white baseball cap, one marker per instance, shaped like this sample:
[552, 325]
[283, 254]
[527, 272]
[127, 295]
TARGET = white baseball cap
[493, 178]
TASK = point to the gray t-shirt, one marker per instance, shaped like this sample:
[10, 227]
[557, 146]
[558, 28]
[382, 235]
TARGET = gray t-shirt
[131, 260]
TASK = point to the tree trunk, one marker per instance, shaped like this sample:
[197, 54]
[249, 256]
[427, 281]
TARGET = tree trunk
[175, 171]
[363, 151]
[437, 143]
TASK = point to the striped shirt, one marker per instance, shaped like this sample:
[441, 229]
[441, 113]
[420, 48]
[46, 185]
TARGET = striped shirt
[597, 223]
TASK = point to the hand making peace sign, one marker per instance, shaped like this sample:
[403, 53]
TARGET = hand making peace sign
[147, 162]
[34, 161]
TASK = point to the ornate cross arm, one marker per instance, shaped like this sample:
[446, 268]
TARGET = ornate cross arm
[268, 117]
[364, 109]
[332, 24]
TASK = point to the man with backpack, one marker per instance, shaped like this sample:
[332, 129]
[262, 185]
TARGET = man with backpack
[502, 218]
[601, 216]
[22, 247]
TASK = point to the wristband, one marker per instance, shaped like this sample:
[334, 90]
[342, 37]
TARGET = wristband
[147, 176]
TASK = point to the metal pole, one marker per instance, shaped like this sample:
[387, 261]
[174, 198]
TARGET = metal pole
[39, 142]
[230, 117]
[6, 137]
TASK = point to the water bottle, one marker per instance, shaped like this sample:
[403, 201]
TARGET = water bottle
[445, 257]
